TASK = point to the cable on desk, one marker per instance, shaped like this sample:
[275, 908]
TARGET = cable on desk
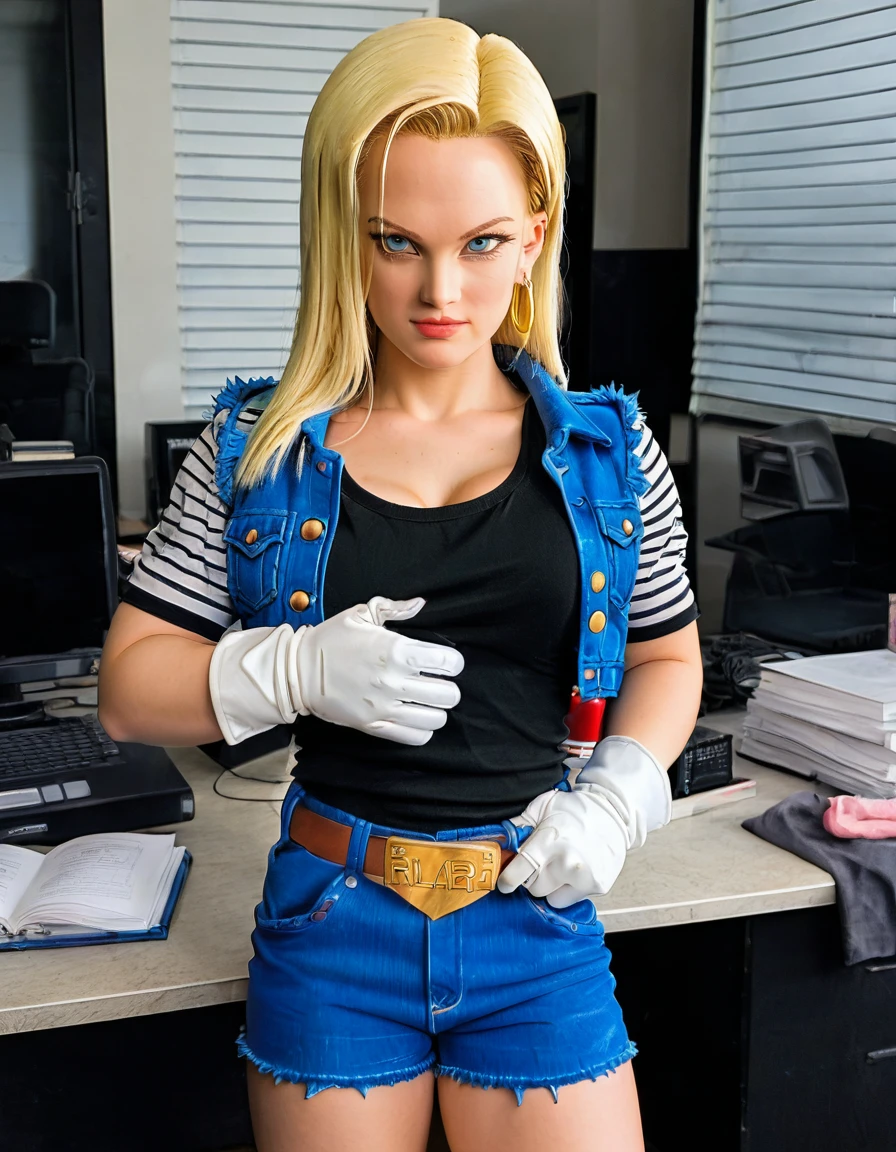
[247, 799]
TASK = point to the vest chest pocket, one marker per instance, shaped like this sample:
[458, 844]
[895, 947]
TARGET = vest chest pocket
[255, 543]
[622, 529]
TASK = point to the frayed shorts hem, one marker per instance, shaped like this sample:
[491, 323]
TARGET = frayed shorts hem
[317, 1083]
[519, 1084]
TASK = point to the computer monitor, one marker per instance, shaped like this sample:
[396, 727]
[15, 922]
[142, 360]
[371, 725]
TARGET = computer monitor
[167, 445]
[58, 568]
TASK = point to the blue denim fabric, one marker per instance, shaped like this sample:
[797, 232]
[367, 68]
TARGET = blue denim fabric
[590, 455]
[351, 986]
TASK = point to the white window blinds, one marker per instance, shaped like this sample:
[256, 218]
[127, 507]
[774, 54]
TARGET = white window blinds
[245, 74]
[797, 303]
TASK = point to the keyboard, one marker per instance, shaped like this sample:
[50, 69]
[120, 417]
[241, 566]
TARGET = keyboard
[80, 742]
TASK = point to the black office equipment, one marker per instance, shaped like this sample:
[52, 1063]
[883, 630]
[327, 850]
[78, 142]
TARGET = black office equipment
[61, 778]
[814, 566]
[42, 399]
[167, 444]
[793, 468]
[705, 763]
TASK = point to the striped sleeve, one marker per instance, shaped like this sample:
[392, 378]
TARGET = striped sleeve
[181, 574]
[662, 601]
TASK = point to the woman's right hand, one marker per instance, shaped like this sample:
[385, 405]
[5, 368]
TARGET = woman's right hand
[349, 670]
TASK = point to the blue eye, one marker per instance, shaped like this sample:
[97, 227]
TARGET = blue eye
[396, 243]
[481, 243]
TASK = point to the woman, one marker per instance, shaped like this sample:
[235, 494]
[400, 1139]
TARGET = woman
[419, 604]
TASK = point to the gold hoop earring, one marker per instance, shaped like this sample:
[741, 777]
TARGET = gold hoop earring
[522, 303]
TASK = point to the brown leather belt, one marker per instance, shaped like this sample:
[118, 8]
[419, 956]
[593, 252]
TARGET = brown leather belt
[329, 839]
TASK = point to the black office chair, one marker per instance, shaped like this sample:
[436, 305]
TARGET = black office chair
[41, 399]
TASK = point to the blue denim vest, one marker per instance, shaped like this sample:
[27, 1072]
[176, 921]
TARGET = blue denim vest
[279, 534]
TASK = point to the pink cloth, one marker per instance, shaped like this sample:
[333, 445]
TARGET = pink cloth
[855, 817]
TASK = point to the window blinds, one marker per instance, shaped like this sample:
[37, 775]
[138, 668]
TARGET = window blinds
[797, 302]
[245, 74]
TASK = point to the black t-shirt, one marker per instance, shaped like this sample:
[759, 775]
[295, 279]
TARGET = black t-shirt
[501, 582]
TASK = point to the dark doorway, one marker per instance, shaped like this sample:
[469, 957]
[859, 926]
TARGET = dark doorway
[54, 220]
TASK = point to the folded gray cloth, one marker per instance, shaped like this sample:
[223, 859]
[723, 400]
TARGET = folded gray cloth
[864, 871]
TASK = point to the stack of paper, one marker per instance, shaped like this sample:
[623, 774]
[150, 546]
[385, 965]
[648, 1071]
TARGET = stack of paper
[23, 450]
[831, 718]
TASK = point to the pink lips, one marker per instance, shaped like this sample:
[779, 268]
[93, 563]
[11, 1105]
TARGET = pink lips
[438, 329]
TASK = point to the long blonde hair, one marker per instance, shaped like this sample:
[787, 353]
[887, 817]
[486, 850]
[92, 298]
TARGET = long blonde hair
[432, 77]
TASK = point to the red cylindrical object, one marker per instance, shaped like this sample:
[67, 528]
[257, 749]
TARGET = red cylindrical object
[584, 721]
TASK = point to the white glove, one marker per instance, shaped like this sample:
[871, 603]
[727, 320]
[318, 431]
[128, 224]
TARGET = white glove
[580, 838]
[348, 669]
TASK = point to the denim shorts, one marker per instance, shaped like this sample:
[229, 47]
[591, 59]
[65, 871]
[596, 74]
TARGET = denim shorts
[351, 986]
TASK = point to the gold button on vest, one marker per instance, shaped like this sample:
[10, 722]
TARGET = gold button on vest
[597, 622]
[589, 673]
[299, 601]
[251, 536]
[598, 581]
[311, 529]
[627, 527]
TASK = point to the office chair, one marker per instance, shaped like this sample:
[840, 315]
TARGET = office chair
[41, 399]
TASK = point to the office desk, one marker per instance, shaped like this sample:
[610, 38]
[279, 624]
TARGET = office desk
[203, 961]
[694, 924]
[700, 868]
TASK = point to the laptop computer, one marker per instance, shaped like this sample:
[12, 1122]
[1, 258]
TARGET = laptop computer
[62, 776]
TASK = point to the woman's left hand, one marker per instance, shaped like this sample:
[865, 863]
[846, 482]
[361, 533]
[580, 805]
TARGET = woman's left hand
[577, 849]
[581, 837]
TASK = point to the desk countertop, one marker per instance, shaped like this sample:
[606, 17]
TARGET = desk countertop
[703, 867]
[708, 867]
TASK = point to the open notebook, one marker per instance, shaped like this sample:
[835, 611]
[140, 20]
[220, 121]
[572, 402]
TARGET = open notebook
[95, 889]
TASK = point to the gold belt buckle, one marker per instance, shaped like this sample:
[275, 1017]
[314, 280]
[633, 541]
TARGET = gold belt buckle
[439, 877]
